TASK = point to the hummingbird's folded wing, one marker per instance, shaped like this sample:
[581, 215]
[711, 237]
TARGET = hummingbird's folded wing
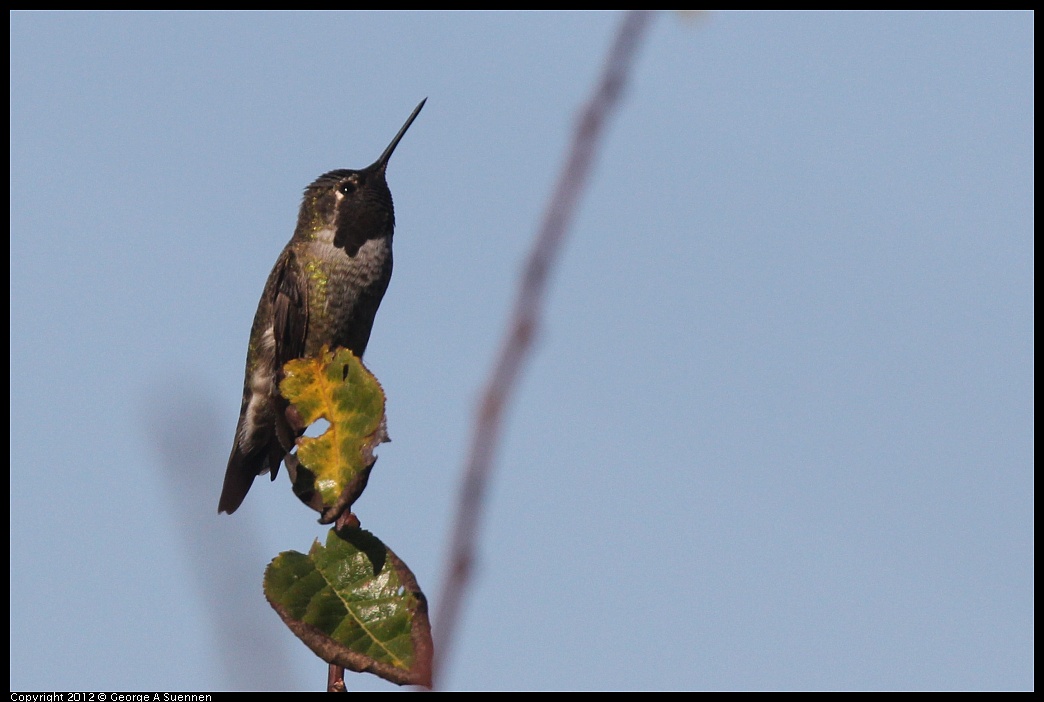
[290, 312]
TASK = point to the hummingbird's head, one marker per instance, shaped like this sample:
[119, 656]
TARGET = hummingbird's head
[356, 205]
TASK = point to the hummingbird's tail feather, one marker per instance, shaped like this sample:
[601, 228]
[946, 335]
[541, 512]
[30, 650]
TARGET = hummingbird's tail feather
[238, 479]
[264, 456]
[239, 476]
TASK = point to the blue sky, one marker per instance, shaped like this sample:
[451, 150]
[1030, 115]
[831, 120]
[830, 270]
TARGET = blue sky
[778, 429]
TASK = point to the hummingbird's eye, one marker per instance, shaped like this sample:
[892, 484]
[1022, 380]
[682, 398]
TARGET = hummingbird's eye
[347, 187]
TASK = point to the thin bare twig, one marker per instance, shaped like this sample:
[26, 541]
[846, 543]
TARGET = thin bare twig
[335, 679]
[524, 323]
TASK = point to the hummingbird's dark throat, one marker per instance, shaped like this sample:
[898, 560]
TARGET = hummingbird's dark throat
[359, 221]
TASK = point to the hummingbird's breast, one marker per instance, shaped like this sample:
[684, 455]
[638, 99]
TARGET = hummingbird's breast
[344, 292]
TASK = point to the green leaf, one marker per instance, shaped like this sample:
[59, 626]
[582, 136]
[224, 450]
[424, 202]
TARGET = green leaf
[355, 604]
[330, 471]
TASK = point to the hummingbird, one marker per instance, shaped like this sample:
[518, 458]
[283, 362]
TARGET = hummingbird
[324, 290]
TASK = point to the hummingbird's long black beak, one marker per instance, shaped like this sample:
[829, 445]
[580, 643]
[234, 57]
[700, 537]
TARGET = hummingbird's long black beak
[382, 163]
